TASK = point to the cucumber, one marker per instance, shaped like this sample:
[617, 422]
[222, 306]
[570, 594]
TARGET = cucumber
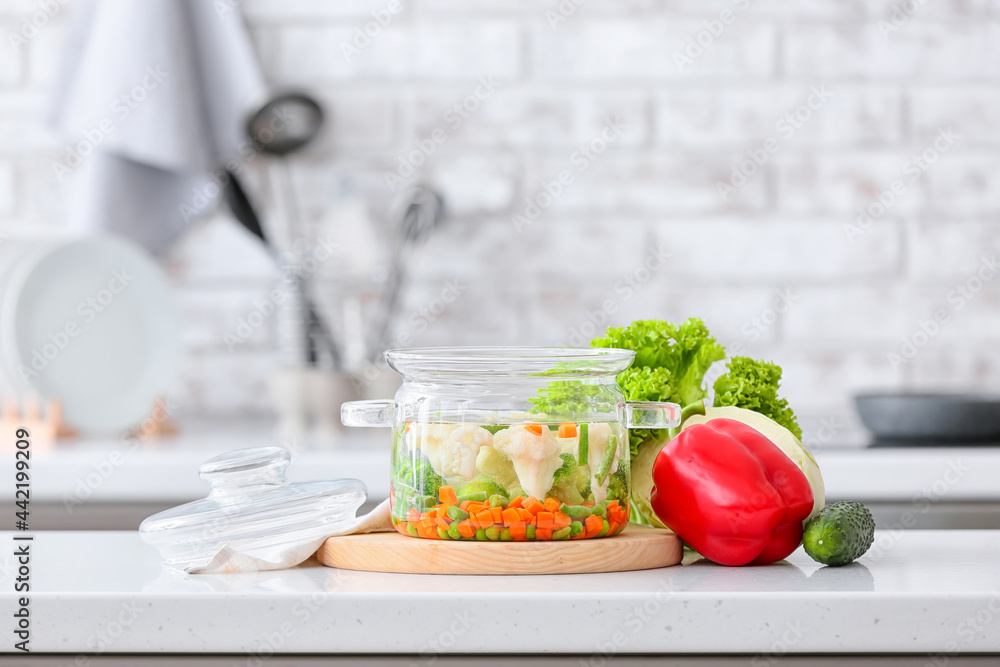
[839, 534]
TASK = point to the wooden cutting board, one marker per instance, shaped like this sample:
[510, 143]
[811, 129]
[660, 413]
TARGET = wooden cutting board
[637, 548]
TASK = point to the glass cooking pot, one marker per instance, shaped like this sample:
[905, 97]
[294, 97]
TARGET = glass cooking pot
[509, 444]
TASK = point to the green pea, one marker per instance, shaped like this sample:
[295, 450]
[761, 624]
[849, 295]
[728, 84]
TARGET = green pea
[498, 501]
[493, 534]
[605, 529]
[562, 533]
[453, 532]
[529, 532]
[442, 533]
[480, 534]
[505, 535]
[411, 530]
[575, 528]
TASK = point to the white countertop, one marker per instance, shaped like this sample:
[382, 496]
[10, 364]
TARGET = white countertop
[166, 469]
[915, 592]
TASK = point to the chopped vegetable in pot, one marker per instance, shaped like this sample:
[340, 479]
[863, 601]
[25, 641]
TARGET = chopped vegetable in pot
[510, 482]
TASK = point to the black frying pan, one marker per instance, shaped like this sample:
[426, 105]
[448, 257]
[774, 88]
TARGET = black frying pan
[923, 418]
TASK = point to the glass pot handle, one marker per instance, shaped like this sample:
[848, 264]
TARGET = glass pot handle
[368, 413]
[641, 414]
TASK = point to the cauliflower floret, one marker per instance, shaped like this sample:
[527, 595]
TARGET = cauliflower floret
[569, 445]
[599, 435]
[452, 448]
[536, 457]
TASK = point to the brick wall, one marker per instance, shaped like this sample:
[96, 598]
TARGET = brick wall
[826, 106]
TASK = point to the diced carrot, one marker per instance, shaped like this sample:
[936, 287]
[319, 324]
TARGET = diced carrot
[466, 529]
[533, 428]
[593, 525]
[442, 523]
[567, 430]
[545, 519]
[588, 503]
[447, 495]
[552, 504]
[518, 532]
[560, 521]
[543, 533]
[432, 513]
[533, 505]
[525, 515]
[413, 514]
[516, 502]
[497, 513]
[511, 517]
[401, 527]
[484, 519]
[476, 508]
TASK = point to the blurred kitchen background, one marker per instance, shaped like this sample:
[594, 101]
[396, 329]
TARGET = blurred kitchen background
[819, 181]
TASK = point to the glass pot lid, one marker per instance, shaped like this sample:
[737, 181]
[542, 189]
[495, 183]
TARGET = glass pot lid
[251, 507]
[552, 362]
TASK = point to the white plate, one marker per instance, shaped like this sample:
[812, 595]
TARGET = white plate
[117, 301]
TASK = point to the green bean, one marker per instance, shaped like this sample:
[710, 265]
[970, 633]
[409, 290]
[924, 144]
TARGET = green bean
[477, 497]
[411, 530]
[604, 531]
[609, 456]
[497, 500]
[575, 528]
[443, 534]
[480, 534]
[456, 513]
[598, 509]
[584, 451]
[453, 531]
[562, 533]
[575, 511]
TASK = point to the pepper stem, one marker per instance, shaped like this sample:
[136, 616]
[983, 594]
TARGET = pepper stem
[689, 410]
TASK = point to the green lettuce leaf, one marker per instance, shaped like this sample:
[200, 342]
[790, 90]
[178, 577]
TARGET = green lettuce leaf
[753, 384]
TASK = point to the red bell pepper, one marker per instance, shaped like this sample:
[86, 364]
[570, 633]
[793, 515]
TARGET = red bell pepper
[731, 494]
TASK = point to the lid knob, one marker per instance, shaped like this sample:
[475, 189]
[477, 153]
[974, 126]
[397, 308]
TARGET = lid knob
[246, 468]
